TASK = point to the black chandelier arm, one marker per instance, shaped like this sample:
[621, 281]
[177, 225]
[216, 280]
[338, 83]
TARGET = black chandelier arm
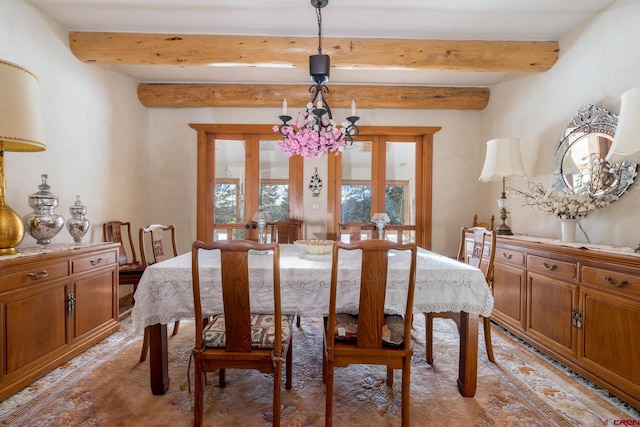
[285, 124]
[351, 131]
[320, 90]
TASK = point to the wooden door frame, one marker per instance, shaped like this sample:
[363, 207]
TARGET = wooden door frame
[205, 173]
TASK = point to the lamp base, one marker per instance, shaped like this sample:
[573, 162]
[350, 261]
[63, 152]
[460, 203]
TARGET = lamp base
[11, 229]
[504, 230]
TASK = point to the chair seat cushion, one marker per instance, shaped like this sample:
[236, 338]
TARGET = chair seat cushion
[262, 330]
[347, 328]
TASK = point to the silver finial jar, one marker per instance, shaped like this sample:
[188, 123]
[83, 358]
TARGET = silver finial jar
[42, 224]
[78, 225]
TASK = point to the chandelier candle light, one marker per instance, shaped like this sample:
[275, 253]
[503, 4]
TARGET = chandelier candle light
[314, 131]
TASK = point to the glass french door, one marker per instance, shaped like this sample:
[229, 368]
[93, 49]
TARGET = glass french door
[250, 174]
[380, 175]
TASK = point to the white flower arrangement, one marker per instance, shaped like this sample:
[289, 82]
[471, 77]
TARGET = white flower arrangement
[564, 204]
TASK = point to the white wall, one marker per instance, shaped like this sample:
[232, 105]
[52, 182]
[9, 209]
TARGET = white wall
[598, 62]
[94, 127]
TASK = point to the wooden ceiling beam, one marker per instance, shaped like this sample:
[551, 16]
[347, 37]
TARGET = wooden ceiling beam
[413, 54]
[339, 96]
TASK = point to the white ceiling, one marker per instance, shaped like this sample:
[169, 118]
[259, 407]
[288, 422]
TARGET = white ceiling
[421, 19]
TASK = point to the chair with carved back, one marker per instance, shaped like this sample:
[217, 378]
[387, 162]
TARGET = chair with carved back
[131, 268]
[372, 336]
[286, 231]
[239, 338]
[152, 242]
[487, 225]
[355, 230]
[398, 232]
[481, 256]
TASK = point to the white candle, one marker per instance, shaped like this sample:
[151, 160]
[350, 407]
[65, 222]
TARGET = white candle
[284, 107]
[353, 107]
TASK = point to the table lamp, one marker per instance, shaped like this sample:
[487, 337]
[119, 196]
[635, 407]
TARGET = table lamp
[20, 130]
[626, 141]
[502, 161]
[381, 219]
[261, 218]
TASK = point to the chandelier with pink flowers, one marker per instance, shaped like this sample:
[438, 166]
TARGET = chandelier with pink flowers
[314, 131]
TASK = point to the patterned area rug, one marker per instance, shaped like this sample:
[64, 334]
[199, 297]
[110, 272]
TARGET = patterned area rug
[106, 386]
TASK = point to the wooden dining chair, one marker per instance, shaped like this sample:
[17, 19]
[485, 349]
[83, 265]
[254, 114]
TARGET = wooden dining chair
[152, 242]
[487, 225]
[239, 338]
[371, 336]
[397, 232]
[355, 230]
[286, 231]
[130, 268]
[481, 256]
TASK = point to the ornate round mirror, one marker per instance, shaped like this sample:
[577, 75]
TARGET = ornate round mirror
[579, 163]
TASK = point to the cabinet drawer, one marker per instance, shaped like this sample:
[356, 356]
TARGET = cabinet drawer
[612, 280]
[34, 274]
[553, 267]
[90, 262]
[509, 256]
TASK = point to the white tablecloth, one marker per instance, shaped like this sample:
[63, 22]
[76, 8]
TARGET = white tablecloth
[164, 293]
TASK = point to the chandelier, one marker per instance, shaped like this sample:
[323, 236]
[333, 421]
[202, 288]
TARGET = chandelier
[314, 131]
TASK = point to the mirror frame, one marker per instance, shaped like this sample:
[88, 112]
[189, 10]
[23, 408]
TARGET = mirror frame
[591, 120]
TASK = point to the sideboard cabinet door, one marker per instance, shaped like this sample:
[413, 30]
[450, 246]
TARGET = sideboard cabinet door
[39, 310]
[509, 287]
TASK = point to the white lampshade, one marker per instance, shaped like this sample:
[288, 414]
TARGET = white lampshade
[260, 217]
[503, 160]
[380, 217]
[626, 141]
[20, 115]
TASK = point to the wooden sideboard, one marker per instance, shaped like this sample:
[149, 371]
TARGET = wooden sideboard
[579, 304]
[54, 304]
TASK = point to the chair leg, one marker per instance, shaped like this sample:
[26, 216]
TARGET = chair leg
[298, 321]
[328, 416]
[487, 338]
[406, 391]
[145, 346]
[198, 400]
[324, 363]
[289, 367]
[277, 385]
[389, 377]
[221, 379]
[429, 337]
[176, 325]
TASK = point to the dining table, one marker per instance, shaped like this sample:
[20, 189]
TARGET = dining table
[164, 295]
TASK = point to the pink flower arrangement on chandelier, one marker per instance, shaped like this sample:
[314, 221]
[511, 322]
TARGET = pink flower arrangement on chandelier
[309, 138]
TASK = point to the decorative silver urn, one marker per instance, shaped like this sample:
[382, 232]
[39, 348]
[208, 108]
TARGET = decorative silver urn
[42, 224]
[78, 225]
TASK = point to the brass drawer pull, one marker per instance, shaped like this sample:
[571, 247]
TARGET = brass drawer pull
[506, 255]
[96, 262]
[617, 285]
[549, 267]
[41, 275]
